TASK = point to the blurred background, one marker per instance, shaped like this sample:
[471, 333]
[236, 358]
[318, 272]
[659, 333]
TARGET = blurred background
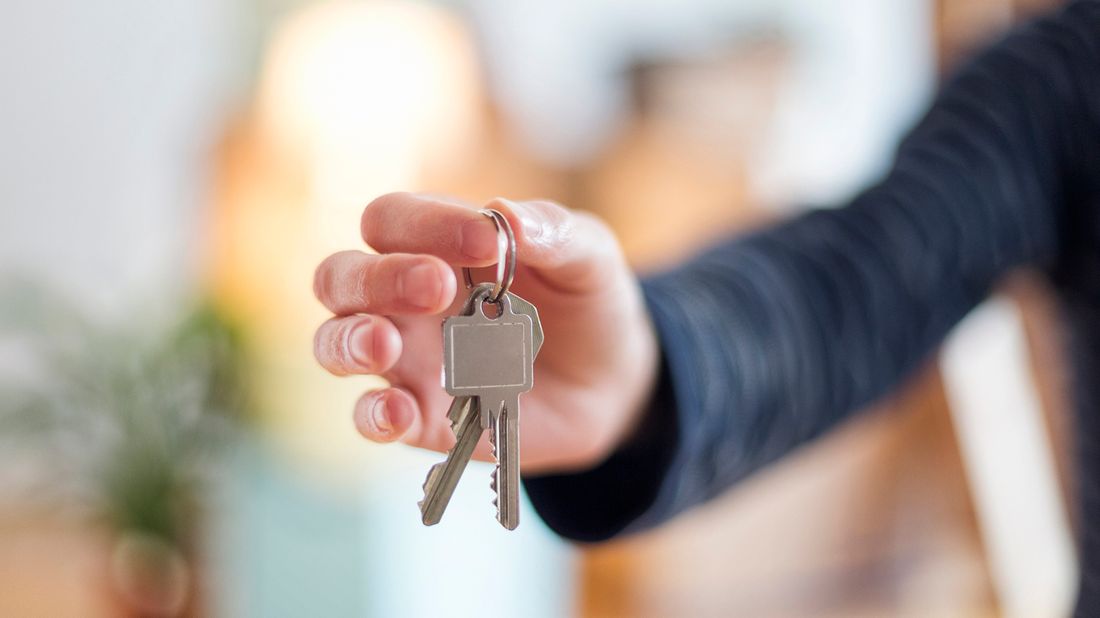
[171, 173]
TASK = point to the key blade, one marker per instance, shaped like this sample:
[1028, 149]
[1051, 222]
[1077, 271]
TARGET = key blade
[459, 410]
[504, 437]
[443, 477]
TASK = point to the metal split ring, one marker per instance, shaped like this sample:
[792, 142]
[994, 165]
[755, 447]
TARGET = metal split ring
[506, 262]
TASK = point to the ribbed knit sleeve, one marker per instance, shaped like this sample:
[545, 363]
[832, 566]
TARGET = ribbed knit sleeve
[771, 339]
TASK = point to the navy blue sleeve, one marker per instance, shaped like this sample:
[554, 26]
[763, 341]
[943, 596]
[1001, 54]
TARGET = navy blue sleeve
[771, 339]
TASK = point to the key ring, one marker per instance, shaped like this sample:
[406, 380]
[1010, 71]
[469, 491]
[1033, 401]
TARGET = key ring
[506, 263]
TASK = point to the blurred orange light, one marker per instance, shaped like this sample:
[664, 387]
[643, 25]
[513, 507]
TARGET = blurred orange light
[355, 99]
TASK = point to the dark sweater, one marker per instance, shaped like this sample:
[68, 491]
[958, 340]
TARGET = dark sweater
[772, 339]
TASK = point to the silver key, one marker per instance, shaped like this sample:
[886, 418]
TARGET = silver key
[505, 482]
[492, 358]
[465, 417]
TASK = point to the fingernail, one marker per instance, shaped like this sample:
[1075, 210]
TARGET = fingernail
[379, 417]
[360, 344]
[478, 239]
[421, 287]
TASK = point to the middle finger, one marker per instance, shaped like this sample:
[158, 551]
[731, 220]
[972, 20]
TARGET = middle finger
[352, 282]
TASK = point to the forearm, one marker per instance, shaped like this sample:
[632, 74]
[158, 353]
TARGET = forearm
[772, 339]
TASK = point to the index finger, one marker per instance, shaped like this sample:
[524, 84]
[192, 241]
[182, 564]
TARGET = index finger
[409, 223]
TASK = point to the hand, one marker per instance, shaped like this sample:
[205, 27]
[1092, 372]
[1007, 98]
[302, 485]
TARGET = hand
[597, 364]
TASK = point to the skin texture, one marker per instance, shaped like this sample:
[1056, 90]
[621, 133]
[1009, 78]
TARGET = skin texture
[593, 375]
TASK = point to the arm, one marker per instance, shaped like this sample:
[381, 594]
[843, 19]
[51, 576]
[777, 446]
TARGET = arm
[772, 339]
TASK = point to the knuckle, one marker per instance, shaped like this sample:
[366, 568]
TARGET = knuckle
[364, 420]
[321, 344]
[338, 344]
[384, 201]
[552, 213]
[323, 278]
[374, 214]
[545, 224]
[328, 347]
[363, 286]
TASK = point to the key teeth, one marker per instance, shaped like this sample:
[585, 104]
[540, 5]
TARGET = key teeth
[434, 471]
[494, 483]
[454, 426]
[494, 477]
[454, 429]
[428, 479]
[424, 486]
[439, 484]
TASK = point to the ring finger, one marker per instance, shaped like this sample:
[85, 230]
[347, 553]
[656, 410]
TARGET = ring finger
[359, 344]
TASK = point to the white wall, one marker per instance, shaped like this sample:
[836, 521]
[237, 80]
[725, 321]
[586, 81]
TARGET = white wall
[107, 114]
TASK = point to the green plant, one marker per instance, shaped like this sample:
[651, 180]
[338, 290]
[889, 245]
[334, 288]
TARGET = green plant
[122, 420]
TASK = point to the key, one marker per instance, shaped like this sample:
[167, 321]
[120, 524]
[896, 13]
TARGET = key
[464, 415]
[492, 358]
[505, 482]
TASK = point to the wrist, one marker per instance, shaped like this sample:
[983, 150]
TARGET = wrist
[629, 394]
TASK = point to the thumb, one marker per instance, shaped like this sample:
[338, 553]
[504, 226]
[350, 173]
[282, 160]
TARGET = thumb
[573, 251]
